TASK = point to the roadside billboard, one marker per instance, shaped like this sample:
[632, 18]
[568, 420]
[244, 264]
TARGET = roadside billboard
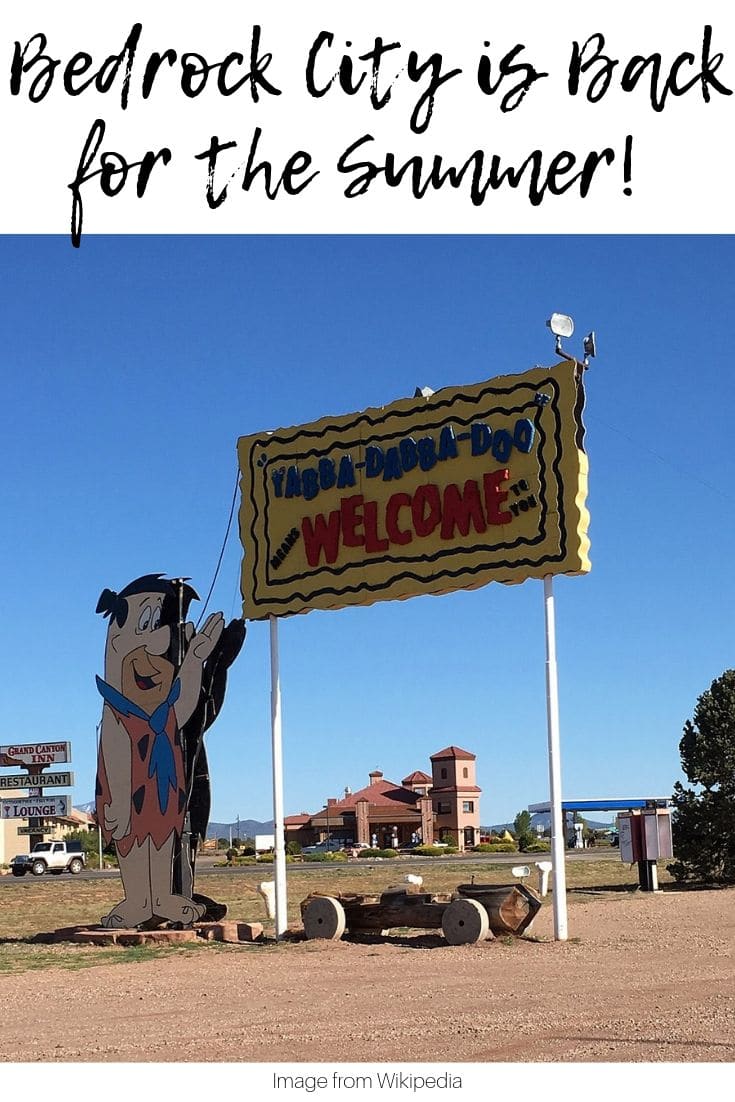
[474, 484]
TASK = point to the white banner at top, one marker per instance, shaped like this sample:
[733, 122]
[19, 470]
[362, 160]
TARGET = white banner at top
[334, 117]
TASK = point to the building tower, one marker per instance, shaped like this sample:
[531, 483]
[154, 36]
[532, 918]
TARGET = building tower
[455, 797]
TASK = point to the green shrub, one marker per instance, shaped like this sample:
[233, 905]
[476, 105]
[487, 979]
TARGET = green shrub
[496, 847]
[433, 851]
[293, 848]
[539, 846]
[232, 853]
[89, 840]
[378, 853]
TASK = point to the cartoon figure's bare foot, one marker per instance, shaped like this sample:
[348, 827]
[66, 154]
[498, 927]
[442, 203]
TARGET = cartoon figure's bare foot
[126, 916]
[177, 908]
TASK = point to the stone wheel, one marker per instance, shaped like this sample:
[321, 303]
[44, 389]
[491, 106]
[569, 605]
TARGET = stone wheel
[464, 922]
[324, 917]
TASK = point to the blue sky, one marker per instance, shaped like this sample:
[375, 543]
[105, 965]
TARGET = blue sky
[132, 365]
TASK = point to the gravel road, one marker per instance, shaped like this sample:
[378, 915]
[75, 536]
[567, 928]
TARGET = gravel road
[642, 978]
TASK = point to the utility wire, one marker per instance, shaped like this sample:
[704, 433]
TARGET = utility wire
[661, 458]
[222, 552]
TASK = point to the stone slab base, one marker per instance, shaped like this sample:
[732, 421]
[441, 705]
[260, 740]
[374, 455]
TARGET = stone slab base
[234, 932]
[230, 931]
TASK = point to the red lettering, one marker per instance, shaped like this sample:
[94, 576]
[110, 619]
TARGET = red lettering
[426, 496]
[351, 520]
[373, 542]
[494, 496]
[455, 510]
[321, 535]
[461, 509]
[395, 534]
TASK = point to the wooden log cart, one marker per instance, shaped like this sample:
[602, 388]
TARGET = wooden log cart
[469, 914]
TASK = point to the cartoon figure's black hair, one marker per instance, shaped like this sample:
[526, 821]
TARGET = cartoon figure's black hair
[115, 605]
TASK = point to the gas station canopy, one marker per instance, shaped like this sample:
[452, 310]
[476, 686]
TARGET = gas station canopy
[604, 805]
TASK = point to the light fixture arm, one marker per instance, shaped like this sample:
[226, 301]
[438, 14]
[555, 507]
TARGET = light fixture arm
[561, 325]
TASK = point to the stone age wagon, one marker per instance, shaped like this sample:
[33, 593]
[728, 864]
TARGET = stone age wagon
[471, 913]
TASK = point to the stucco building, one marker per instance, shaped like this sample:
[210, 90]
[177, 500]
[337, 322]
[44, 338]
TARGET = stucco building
[441, 806]
[455, 795]
[11, 842]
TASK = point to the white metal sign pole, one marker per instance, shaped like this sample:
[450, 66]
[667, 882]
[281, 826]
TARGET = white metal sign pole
[279, 855]
[97, 730]
[559, 878]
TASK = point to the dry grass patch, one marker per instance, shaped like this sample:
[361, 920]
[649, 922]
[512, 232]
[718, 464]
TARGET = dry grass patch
[31, 906]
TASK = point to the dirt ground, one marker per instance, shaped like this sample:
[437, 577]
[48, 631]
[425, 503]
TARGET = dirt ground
[642, 978]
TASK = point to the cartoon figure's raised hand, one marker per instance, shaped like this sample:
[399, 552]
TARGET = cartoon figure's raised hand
[203, 643]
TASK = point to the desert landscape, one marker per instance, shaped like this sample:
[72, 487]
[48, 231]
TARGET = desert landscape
[644, 977]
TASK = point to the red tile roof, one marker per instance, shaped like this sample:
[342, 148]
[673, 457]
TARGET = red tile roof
[453, 752]
[417, 778]
[380, 794]
[440, 789]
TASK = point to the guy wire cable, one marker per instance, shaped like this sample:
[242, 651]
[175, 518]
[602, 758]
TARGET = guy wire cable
[222, 551]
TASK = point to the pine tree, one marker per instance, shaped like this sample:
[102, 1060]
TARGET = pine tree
[522, 830]
[704, 814]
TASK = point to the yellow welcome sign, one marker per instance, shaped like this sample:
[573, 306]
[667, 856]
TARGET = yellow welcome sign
[471, 485]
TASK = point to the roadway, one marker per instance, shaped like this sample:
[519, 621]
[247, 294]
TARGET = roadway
[208, 865]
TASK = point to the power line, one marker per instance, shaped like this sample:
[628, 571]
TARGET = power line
[222, 551]
[661, 458]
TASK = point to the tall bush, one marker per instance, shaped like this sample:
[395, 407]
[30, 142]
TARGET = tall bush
[704, 811]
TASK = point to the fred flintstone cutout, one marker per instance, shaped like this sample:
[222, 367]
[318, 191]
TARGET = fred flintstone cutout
[164, 685]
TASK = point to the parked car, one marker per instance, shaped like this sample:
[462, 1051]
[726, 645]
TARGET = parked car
[329, 845]
[354, 848]
[56, 857]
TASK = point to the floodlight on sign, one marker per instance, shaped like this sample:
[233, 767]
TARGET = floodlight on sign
[561, 325]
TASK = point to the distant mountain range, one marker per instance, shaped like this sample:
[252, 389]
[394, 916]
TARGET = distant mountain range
[248, 828]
